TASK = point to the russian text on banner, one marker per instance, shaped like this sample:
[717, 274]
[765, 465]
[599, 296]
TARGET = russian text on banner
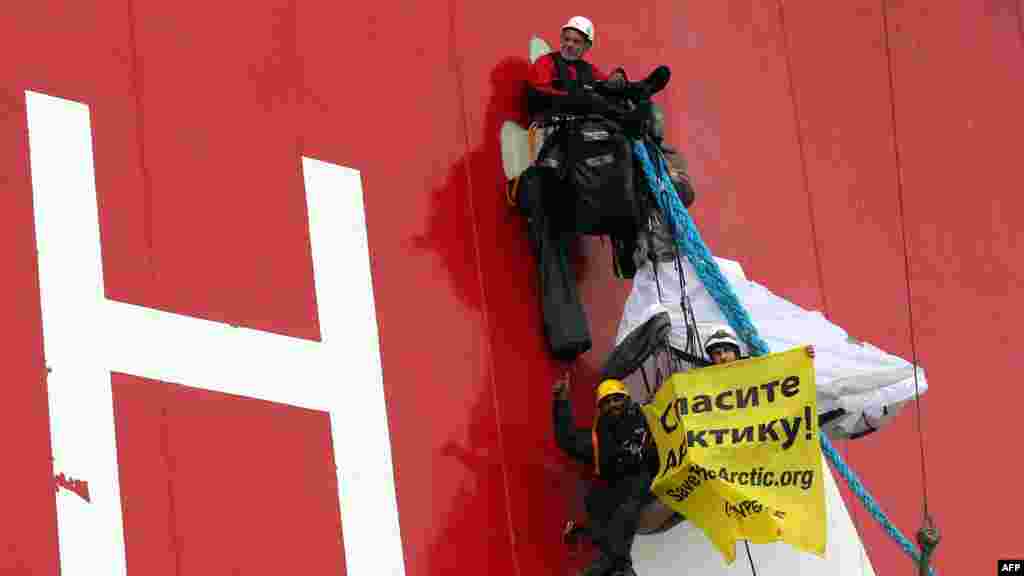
[738, 445]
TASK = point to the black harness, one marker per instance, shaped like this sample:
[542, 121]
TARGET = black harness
[584, 74]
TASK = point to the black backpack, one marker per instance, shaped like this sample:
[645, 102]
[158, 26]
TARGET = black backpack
[595, 160]
[599, 166]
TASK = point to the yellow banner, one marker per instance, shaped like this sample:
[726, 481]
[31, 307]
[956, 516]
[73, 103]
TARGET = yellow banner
[739, 451]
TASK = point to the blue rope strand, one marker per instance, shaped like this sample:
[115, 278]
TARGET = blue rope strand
[869, 502]
[688, 240]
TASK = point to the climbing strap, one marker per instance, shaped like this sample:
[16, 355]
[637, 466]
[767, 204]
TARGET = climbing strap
[694, 346]
[512, 192]
[531, 141]
[688, 239]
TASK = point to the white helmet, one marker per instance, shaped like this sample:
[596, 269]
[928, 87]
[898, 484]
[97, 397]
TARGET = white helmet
[583, 25]
[723, 335]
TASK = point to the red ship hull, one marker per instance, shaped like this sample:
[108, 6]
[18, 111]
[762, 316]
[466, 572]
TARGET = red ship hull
[822, 139]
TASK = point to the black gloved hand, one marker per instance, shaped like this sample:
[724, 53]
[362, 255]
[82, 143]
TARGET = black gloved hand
[658, 79]
[654, 83]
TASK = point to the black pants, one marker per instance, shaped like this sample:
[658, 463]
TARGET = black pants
[551, 234]
[614, 513]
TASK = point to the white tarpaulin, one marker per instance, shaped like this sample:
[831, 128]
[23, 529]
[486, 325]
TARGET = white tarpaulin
[869, 384]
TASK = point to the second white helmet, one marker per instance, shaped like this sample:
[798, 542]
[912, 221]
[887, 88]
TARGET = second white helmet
[723, 335]
[581, 24]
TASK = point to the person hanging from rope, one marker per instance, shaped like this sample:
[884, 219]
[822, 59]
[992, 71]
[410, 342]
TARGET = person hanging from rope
[621, 449]
[563, 82]
[723, 347]
[557, 80]
[581, 181]
[556, 85]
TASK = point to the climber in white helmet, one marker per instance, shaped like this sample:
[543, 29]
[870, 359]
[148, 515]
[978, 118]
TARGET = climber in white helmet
[558, 80]
[557, 76]
[577, 37]
[723, 347]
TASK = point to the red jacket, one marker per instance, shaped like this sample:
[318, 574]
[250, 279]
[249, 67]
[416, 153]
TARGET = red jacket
[545, 98]
[544, 71]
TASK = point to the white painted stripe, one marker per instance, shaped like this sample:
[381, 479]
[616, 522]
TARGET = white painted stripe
[86, 337]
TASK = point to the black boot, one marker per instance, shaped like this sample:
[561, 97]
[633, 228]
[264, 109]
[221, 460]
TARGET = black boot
[654, 83]
[658, 79]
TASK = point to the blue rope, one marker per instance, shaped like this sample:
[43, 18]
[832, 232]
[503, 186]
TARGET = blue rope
[869, 502]
[689, 241]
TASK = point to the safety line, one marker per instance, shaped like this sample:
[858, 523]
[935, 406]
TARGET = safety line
[147, 178]
[819, 266]
[1020, 21]
[803, 159]
[455, 65]
[172, 507]
[751, 558]
[906, 256]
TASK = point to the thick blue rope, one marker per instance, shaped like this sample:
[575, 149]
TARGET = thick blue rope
[689, 241]
[869, 502]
